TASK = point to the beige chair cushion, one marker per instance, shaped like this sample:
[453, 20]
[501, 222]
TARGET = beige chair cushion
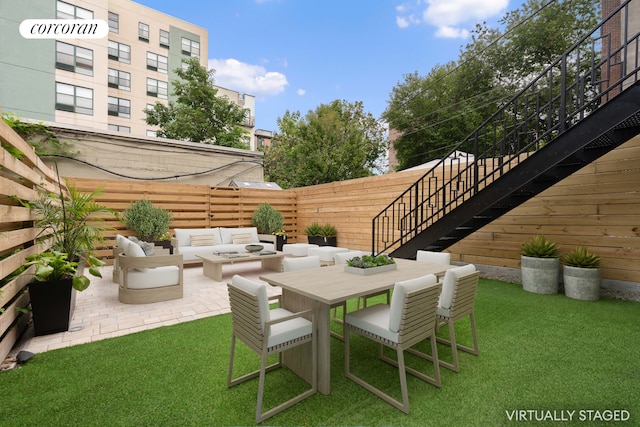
[400, 289]
[302, 263]
[257, 289]
[449, 283]
[433, 257]
[157, 277]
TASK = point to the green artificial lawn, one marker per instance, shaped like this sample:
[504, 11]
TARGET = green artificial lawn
[537, 352]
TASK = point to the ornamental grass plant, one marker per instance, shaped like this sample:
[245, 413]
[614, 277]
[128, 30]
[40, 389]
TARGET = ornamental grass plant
[537, 353]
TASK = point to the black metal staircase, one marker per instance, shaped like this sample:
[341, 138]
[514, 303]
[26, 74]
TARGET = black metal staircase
[582, 106]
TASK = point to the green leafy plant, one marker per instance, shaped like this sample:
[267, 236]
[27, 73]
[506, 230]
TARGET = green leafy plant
[148, 221]
[539, 247]
[313, 230]
[54, 266]
[581, 257]
[370, 261]
[328, 230]
[39, 136]
[316, 229]
[72, 220]
[267, 219]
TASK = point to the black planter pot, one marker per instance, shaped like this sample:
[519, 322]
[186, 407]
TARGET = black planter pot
[280, 241]
[52, 305]
[323, 241]
[165, 244]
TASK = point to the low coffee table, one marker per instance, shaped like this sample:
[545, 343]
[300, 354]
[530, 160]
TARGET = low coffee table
[212, 264]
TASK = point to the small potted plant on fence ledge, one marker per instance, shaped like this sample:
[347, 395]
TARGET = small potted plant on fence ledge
[270, 224]
[321, 235]
[369, 264]
[540, 266]
[581, 274]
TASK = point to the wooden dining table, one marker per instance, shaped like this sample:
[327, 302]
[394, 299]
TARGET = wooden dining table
[324, 287]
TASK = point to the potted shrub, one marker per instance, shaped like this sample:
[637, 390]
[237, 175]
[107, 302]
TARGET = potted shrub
[581, 274]
[321, 235]
[150, 223]
[53, 290]
[540, 266]
[270, 223]
[74, 233]
[369, 264]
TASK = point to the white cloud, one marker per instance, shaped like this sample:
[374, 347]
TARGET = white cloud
[301, 92]
[452, 18]
[252, 79]
[447, 32]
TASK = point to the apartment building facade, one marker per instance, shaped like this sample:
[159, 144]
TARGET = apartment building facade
[105, 83]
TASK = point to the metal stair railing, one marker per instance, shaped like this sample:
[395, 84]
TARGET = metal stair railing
[586, 76]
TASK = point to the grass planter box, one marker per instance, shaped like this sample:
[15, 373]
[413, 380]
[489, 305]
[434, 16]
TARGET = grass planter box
[369, 271]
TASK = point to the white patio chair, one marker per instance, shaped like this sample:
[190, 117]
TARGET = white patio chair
[266, 332]
[433, 257]
[456, 302]
[408, 320]
[301, 263]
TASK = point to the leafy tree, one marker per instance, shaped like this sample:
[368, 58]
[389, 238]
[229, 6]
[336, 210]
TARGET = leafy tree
[197, 114]
[436, 112]
[335, 142]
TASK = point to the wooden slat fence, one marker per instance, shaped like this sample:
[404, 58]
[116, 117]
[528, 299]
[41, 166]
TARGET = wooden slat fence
[19, 178]
[191, 206]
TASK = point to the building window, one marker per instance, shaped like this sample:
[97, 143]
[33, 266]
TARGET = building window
[143, 32]
[74, 98]
[164, 38]
[157, 63]
[118, 128]
[119, 79]
[74, 58]
[119, 52]
[153, 133]
[114, 22]
[69, 11]
[190, 47]
[157, 88]
[119, 107]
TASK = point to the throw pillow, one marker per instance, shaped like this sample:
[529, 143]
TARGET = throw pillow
[242, 238]
[202, 240]
[147, 247]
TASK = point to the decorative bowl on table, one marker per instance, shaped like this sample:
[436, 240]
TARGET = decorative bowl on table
[254, 248]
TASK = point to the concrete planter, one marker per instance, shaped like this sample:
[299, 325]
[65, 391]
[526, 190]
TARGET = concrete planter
[370, 271]
[540, 275]
[581, 283]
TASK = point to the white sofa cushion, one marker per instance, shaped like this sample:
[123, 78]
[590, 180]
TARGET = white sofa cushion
[157, 277]
[133, 249]
[189, 252]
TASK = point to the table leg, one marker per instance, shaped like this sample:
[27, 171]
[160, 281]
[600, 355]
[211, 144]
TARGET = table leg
[212, 270]
[298, 359]
[273, 264]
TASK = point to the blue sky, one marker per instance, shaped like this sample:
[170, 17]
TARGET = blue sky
[297, 54]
